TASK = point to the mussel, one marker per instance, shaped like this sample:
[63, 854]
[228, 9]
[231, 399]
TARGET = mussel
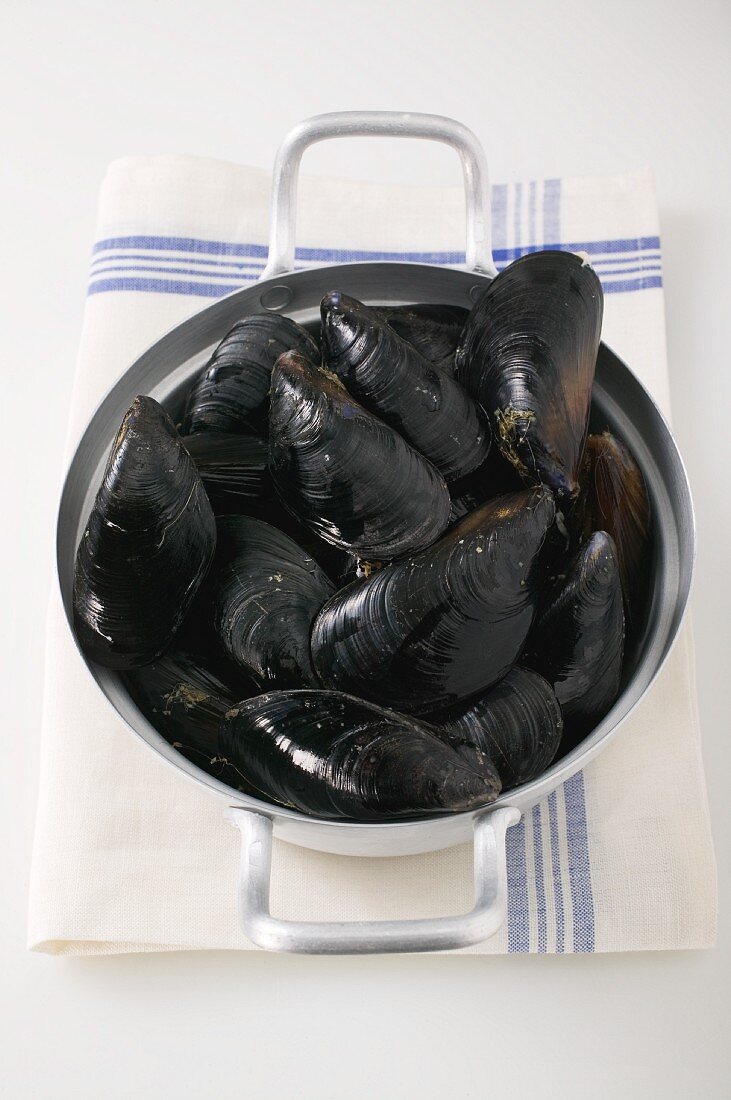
[234, 470]
[577, 643]
[336, 756]
[441, 626]
[392, 380]
[528, 354]
[147, 545]
[265, 592]
[345, 474]
[434, 330]
[614, 499]
[517, 724]
[231, 393]
[185, 695]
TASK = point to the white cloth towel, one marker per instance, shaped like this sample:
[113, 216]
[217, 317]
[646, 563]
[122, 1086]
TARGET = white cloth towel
[129, 854]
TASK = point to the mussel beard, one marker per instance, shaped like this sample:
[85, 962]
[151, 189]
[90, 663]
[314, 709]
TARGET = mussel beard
[147, 545]
[336, 756]
[528, 354]
[444, 625]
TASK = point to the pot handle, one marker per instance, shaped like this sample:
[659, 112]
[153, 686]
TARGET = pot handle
[379, 124]
[372, 937]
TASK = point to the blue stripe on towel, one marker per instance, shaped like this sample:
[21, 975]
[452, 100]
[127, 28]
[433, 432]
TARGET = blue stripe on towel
[538, 876]
[579, 870]
[499, 208]
[183, 244]
[551, 213]
[130, 257]
[160, 286]
[237, 275]
[518, 913]
[556, 870]
[517, 198]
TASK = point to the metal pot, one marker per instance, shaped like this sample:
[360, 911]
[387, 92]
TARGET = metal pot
[166, 369]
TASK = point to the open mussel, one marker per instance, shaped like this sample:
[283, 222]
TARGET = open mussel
[517, 724]
[147, 545]
[434, 330]
[528, 354]
[392, 380]
[336, 756]
[614, 499]
[265, 592]
[445, 624]
[231, 393]
[577, 643]
[234, 470]
[345, 474]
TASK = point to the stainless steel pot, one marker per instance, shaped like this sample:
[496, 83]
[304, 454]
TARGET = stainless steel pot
[165, 370]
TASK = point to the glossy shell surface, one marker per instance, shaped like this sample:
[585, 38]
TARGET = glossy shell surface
[614, 499]
[344, 473]
[265, 592]
[336, 756]
[231, 394]
[445, 624]
[394, 381]
[147, 545]
[578, 641]
[528, 355]
[517, 724]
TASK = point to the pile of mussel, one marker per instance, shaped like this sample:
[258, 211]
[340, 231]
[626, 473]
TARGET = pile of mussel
[383, 571]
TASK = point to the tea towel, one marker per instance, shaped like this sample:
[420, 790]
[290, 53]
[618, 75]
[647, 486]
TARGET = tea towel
[130, 855]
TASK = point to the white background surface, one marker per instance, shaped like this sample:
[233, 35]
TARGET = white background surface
[554, 89]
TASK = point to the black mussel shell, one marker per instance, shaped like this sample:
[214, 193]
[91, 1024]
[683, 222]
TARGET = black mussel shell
[528, 354]
[444, 625]
[345, 474]
[147, 545]
[231, 394]
[234, 470]
[265, 592]
[392, 380]
[434, 330]
[518, 725]
[185, 696]
[577, 643]
[614, 499]
[336, 756]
